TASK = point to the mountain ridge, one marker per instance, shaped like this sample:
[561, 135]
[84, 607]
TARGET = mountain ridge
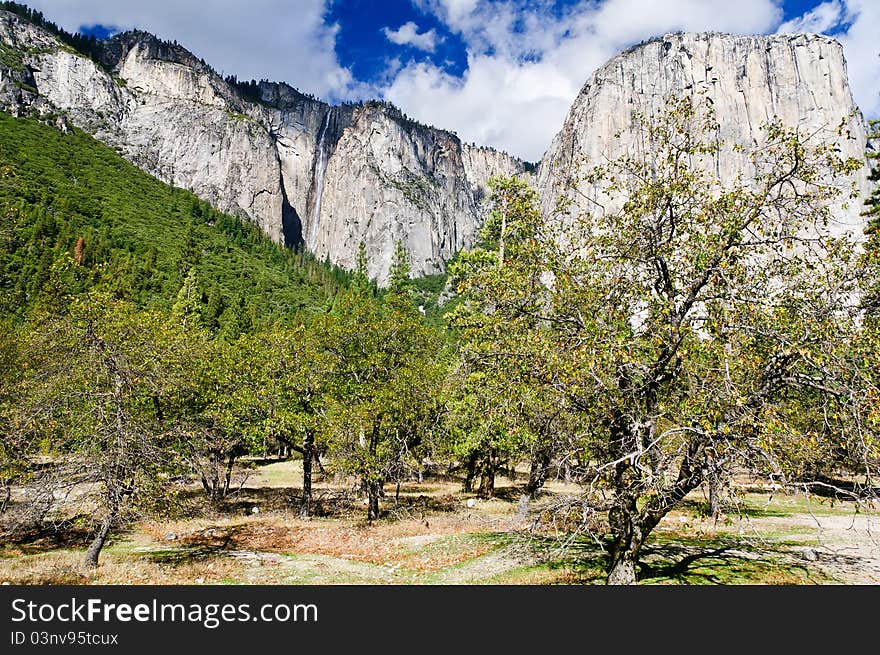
[332, 176]
[750, 81]
[175, 117]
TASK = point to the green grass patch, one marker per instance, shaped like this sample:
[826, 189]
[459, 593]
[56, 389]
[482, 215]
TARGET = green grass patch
[672, 557]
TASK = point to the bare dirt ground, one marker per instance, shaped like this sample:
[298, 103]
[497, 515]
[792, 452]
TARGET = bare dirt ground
[438, 535]
[846, 546]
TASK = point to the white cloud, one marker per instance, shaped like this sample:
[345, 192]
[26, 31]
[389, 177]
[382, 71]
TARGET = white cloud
[818, 20]
[408, 34]
[481, 108]
[276, 39]
[855, 23]
[861, 47]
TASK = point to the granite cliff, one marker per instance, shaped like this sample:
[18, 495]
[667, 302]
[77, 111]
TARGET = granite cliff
[799, 79]
[304, 171]
[329, 177]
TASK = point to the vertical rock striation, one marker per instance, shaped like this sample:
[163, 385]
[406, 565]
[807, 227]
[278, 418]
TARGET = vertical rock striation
[750, 80]
[305, 172]
[331, 177]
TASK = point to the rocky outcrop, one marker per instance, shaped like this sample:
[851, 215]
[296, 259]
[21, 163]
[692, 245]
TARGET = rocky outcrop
[305, 172]
[380, 178]
[749, 80]
[331, 177]
[163, 110]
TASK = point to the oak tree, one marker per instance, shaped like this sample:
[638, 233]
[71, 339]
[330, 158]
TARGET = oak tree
[696, 326]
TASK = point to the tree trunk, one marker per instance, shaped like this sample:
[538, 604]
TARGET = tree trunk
[374, 485]
[308, 453]
[487, 483]
[318, 463]
[470, 472]
[211, 482]
[373, 500]
[94, 551]
[630, 528]
[205, 485]
[538, 472]
[628, 536]
[227, 476]
[715, 493]
[487, 475]
[622, 569]
[7, 495]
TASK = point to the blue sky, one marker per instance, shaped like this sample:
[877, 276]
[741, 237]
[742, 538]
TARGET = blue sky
[363, 46]
[497, 72]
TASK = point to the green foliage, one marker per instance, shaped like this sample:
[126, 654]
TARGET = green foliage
[399, 280]
[383, 370]
[11, 58]
[872, 230]
[14, 446]
[688, 330]
[292, 385]
[499, 411]
[91, 401]
[361, 279]
[873, 202]
[138, 238]
[86, 45]
[187, 309]
[221, 340]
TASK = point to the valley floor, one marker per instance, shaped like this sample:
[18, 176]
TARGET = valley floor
[438, 535]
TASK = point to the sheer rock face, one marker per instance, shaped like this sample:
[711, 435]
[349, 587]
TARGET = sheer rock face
[328, 177]
[750, 80]
[383, 180]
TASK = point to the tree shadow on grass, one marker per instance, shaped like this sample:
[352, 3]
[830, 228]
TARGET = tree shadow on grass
[42, 537]
[723, 562]
[685, 568]
[45, 536]
[700, 508]
[196, 547]
[689, 562]
[577, 562]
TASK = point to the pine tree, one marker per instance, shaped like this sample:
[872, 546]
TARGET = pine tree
[187, 310]
[190, 257]
[872, 204]
[361, 280]
[236, 319]
[400, 276]
[214, 307]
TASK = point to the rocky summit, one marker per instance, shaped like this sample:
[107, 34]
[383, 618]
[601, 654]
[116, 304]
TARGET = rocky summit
[329, 177]
[305, 172]
[750, 81]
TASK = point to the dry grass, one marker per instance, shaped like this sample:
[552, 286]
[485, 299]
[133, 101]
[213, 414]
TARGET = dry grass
[431, 536]
[409, 543]
[115, 568]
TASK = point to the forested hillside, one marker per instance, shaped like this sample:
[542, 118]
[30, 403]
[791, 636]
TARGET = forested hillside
[75, 213]
[145, 334]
